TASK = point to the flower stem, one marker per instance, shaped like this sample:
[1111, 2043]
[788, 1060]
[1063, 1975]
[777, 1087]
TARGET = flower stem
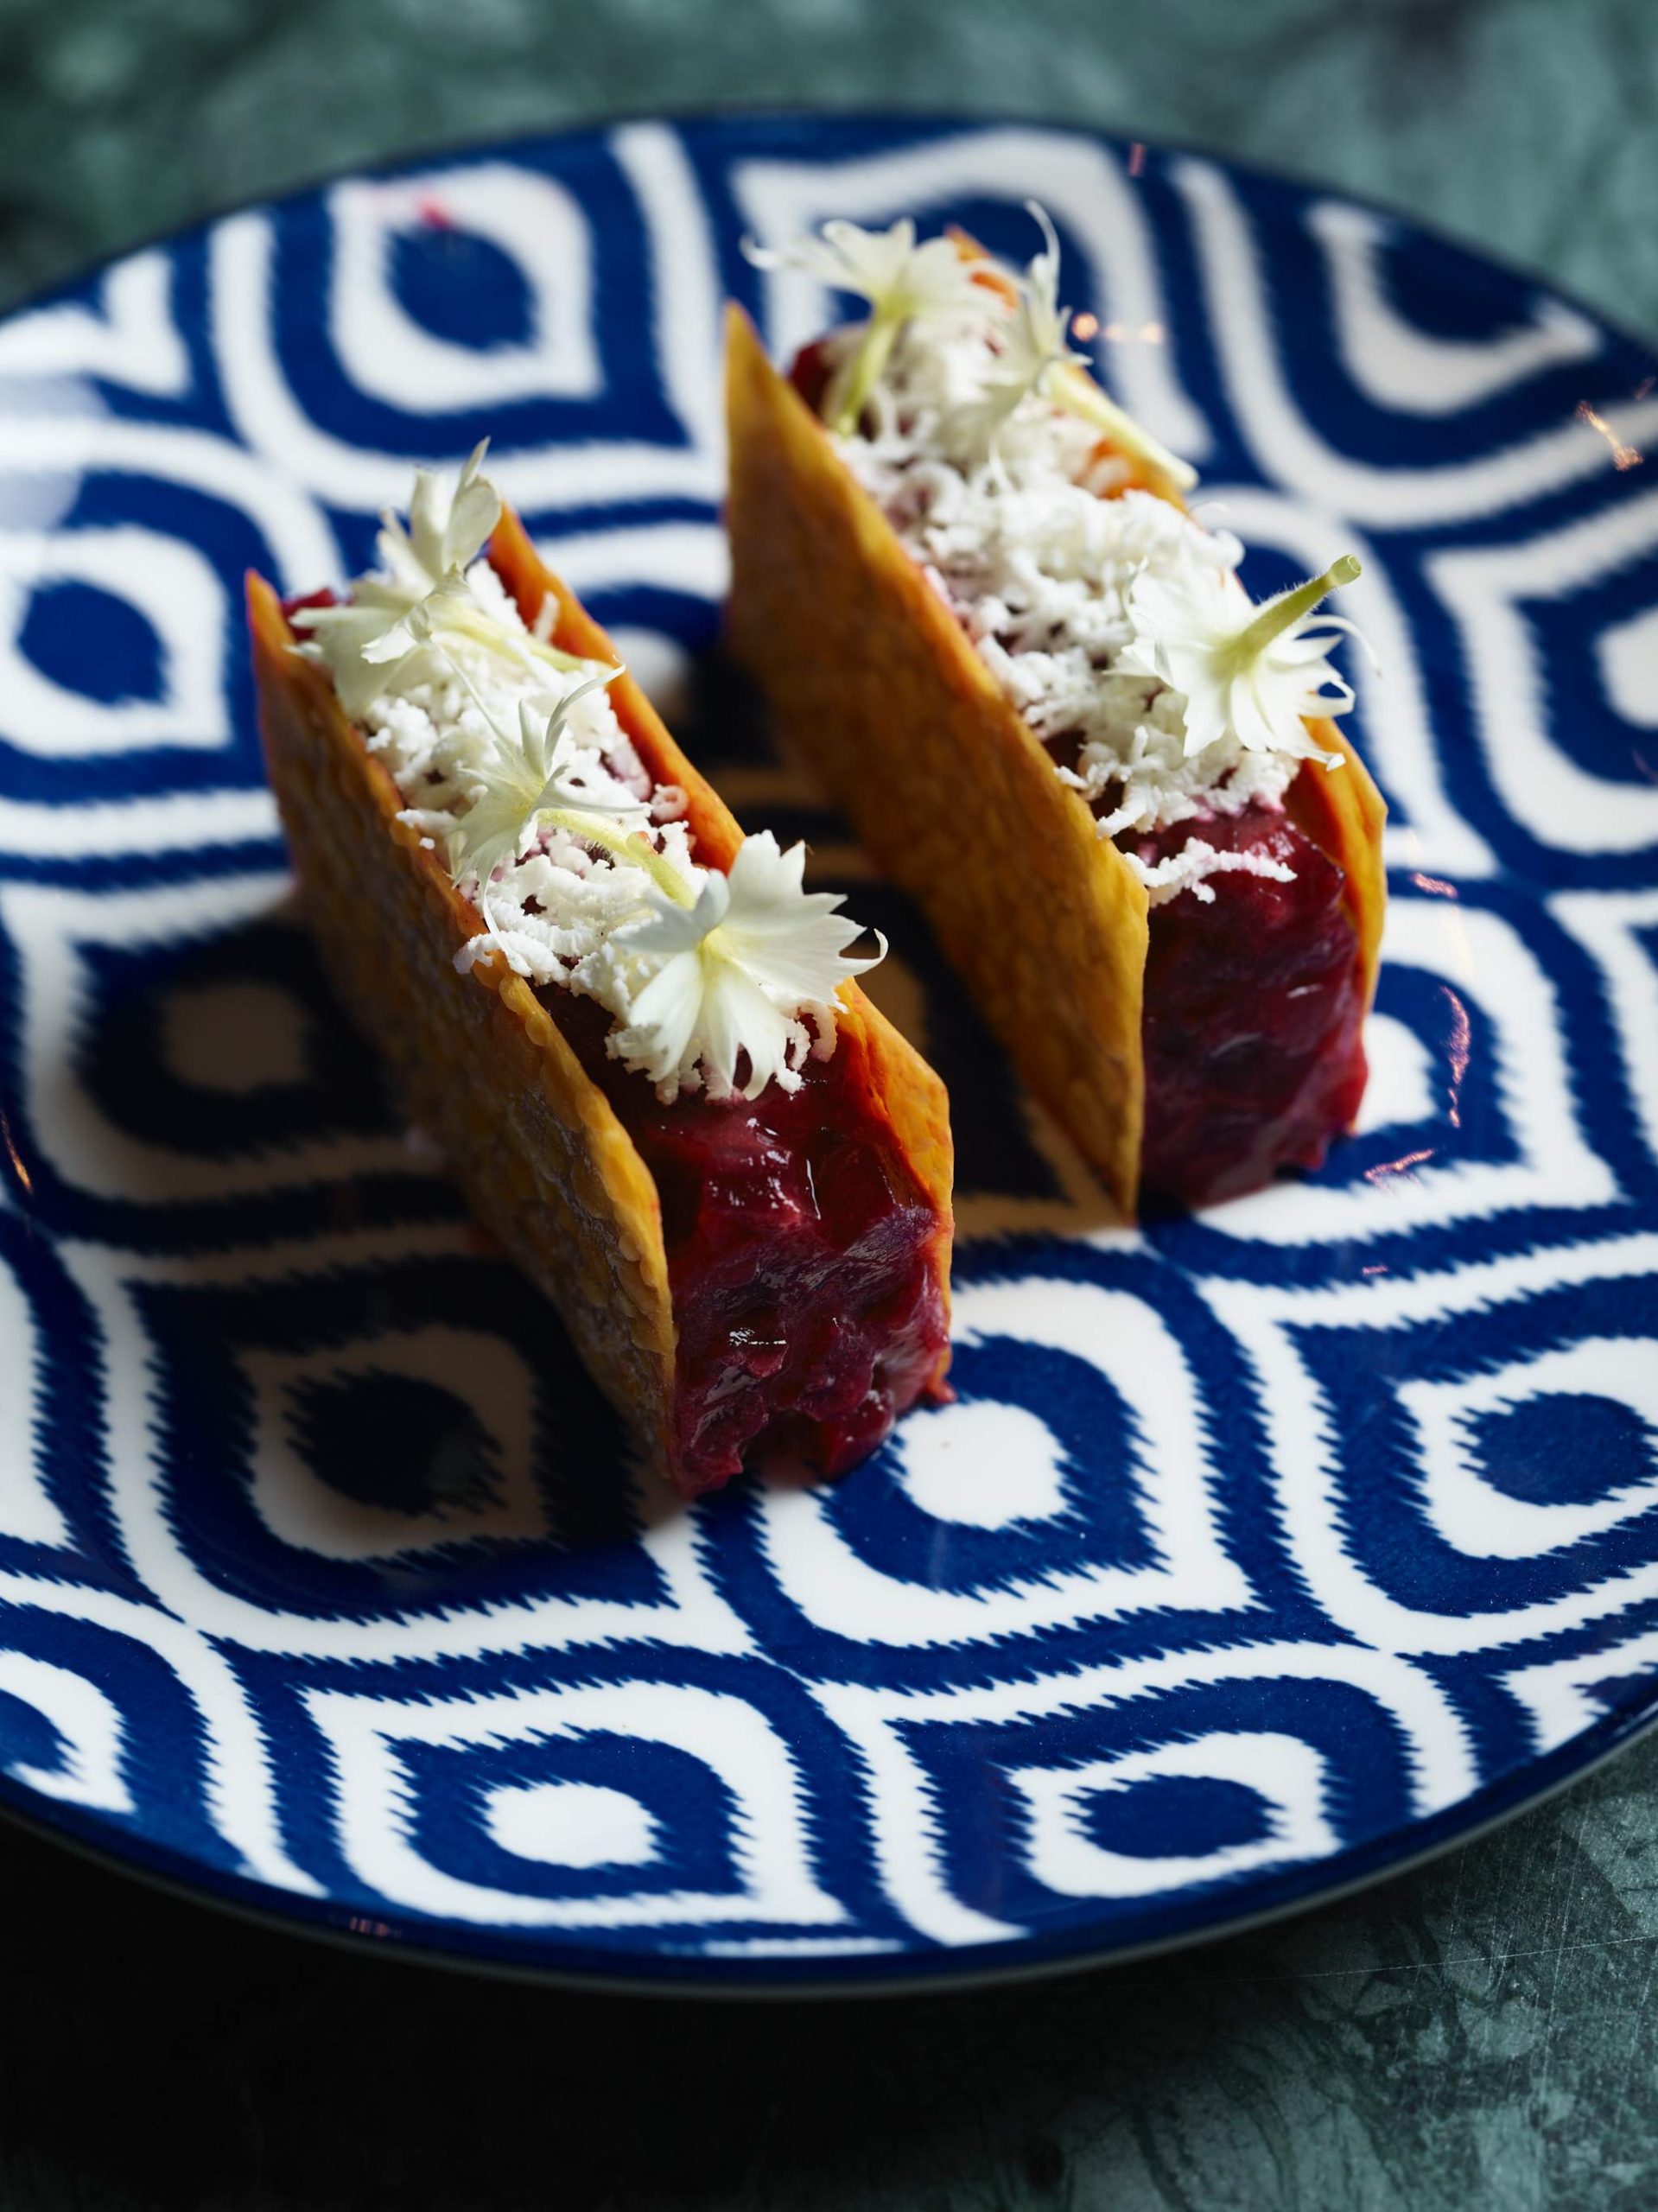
[863, 371]
[484, 630]
[1071, 388]
[631, 847]
[1281, 613]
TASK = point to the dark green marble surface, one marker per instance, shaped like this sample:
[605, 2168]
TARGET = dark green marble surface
[1475, 2035]
[1525, 126]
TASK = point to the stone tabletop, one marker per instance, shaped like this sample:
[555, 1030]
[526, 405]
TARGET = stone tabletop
[1475, 2034]
[1478, 2035]
[1524, 127]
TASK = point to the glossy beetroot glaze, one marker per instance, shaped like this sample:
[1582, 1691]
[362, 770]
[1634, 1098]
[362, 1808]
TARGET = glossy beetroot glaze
[811, 373]
[1253, 1013]
[799, 1256]
[1253, 1007]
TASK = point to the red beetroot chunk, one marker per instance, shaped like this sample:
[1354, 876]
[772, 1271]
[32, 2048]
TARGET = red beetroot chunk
[798, 1255]
[1252, 1018]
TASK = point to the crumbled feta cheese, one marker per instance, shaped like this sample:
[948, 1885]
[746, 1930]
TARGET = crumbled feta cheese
[1016, 517]
[507, 752]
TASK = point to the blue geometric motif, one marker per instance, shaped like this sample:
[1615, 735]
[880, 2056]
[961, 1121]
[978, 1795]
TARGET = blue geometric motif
[1258, 1550]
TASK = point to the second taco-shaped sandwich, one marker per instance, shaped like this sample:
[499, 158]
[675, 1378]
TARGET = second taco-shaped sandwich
[634, 1032]
[972, 592]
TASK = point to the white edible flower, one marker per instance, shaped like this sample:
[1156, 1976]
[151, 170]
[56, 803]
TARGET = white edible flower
[364, 643]
[730, 975]
[1252, 673]
[1098, 607]
[509, 760]
[448, 527]
[381, 641]
[1031, 346]
[904, 283]
[540, 772]
[360, 642]
[1024, 353]
[901, 281]
[1062, 376]
[383, 638]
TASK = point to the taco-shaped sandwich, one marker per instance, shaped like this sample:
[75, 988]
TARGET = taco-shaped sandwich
[634, 1032]
[971, 588]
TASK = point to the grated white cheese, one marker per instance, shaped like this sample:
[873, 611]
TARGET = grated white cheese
[1039, 568]
[510, 757]
[556, 904]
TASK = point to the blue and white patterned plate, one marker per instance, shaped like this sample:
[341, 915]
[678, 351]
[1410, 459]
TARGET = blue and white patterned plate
[1261, 1551]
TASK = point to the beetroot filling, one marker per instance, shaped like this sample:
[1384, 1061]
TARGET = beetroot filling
[1252, 1019]
[800, 1257]
[799, 1254]
[1251, 1014]
[811, 373]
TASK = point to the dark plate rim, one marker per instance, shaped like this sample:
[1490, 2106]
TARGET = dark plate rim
[58, 290]
[905, 1971]
[938, 1969]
